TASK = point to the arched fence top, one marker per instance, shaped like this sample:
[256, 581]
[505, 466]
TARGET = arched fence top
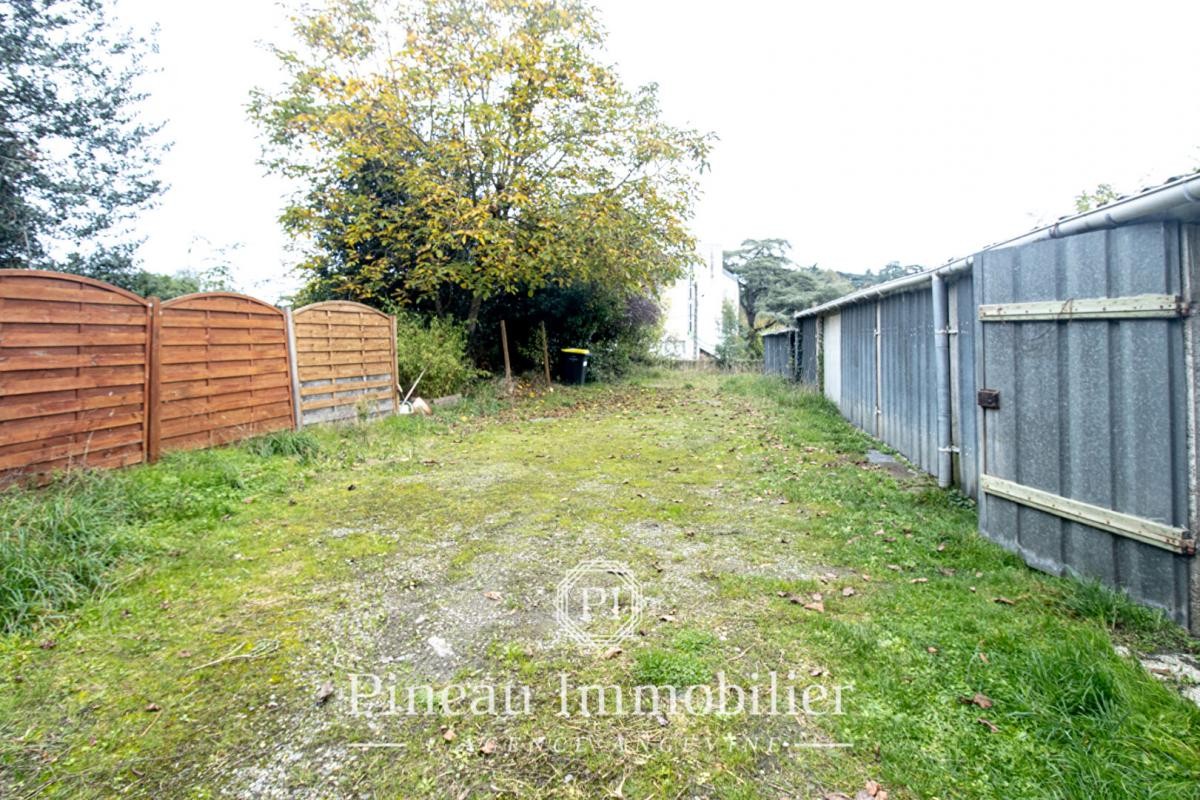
[341, 305]
[221, 301]
[42, 286]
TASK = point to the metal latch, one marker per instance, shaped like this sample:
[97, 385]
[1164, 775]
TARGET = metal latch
[988, 398]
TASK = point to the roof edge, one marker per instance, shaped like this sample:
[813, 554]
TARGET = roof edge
[1142, 206]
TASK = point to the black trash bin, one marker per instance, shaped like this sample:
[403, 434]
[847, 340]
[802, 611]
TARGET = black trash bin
[574, 365]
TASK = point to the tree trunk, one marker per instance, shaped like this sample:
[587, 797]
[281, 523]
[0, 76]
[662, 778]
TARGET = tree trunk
[473, 314]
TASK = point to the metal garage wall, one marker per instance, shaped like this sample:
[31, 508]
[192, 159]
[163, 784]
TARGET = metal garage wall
[777, 353]
[807, 352]
[858, 365]
[961, 294]
[831, 357]
[908, 386]
[1091, 410]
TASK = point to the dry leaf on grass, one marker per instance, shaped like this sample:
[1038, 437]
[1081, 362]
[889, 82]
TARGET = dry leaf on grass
[991, 726]
[324, 693]
[495, 597]
[488, 747]
[981, 700]
[848, 591]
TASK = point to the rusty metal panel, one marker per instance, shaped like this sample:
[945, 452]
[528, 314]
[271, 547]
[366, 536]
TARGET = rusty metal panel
[1091, 410]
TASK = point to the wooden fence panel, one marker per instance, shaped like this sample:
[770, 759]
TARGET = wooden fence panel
[74, 373]
[223, 371]
[346, 361]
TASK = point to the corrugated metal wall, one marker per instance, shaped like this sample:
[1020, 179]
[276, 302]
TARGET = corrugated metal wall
[908, 396]
[961, 295]
[1092, 410]
[778, 353]
[808, 350]
[858, 365]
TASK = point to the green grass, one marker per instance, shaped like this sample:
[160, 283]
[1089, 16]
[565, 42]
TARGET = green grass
[224, 587]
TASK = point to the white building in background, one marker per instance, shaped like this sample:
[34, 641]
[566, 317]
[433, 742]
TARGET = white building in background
[692, 308]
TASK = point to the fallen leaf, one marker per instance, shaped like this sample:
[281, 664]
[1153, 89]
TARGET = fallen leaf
[667, 617]
[941, 547]
[48, 644]
[872, 788]
[611, 652]
[495, 597]
[983, 657]
[991, 726]
[324, 693]
[919, 580]
[449, 735]
[981, 700]
[489, 747]
[931, 650]
[817, 606]
[894, 567]
[848, 591]
[153, 707]
[1004, 601]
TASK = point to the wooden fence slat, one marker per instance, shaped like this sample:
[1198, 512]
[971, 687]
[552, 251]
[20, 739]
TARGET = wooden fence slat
[70, 313]
[346, 356]
[223, 364]
[73, 372]
[94, 375]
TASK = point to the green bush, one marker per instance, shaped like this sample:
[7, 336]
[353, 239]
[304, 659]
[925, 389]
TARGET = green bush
[437, 346]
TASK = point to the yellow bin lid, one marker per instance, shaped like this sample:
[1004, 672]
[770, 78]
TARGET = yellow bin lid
[576, 350]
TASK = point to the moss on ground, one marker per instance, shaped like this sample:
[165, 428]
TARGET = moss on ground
[202, 668]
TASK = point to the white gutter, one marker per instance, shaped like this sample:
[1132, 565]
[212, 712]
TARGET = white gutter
[1158, 200]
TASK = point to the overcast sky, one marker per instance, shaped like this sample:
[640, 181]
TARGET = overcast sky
[861, 132]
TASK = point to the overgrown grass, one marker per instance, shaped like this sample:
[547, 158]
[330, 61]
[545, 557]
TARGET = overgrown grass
[62, 543]
[727, 497]
[948, 616]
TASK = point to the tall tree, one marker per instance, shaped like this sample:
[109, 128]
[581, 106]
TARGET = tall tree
[76, 161]
[771, 287]
[456, 150]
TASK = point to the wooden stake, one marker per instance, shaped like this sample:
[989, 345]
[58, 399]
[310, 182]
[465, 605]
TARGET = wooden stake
[546, 353]
[153, 389]
[504, 345]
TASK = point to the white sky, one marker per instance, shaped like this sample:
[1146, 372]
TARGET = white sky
[862, 132]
